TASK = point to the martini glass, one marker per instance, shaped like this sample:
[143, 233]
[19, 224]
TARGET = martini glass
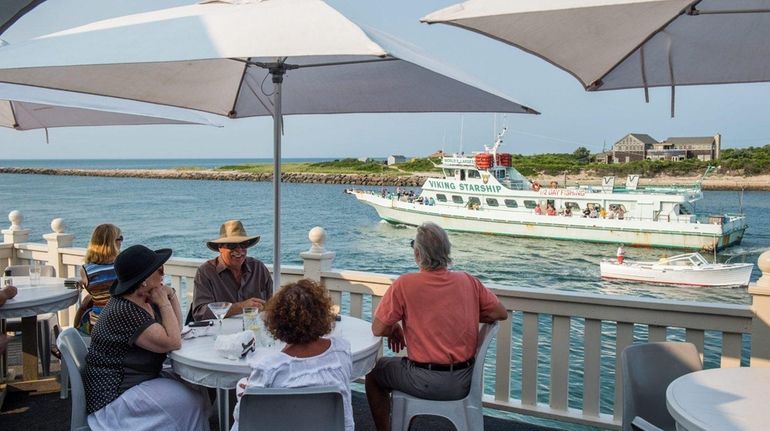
[220, 310]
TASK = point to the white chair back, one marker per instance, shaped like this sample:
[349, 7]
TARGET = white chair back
[317, 408]
[73, 350]
[466, 414]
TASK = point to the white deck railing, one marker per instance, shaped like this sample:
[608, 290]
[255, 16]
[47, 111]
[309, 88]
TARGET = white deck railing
[563, 346]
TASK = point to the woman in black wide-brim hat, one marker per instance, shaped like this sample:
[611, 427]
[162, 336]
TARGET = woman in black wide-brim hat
[136, 329]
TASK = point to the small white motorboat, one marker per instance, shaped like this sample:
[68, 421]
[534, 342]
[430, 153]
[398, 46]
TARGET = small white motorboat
[689, 269]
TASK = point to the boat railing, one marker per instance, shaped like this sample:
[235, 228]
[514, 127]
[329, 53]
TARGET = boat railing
[557, 355]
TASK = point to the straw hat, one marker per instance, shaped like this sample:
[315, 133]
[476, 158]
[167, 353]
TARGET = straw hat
[232, 232]
[134, 264]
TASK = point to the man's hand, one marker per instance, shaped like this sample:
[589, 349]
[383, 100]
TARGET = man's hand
[9, 291]
[238, 307]
[396, 340]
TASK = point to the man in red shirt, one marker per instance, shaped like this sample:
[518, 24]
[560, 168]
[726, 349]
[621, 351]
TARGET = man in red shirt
[436, 313]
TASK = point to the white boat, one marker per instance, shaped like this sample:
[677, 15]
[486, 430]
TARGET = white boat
[685, 269]
[484, 193]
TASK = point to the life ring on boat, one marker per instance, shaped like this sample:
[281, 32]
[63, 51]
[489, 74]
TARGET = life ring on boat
[536, 186]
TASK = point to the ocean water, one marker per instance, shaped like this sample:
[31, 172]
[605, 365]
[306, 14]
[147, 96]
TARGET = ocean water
[140, 163]
[183, 214]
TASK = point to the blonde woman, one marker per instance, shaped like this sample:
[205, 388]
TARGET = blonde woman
[98, 273]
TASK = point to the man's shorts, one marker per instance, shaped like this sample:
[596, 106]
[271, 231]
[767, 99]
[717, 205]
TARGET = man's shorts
[401, 374]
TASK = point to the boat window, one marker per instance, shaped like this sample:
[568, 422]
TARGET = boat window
[457, 199]
[440, 197]
[530, 204]
[474, 203]
[511, 203]
[492, 202]
[462, 174]
[685, 209]
[473, 174]
[449, 172]
[572, 205]
[501, 174]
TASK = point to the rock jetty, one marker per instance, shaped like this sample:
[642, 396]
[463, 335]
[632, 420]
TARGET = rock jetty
[210, 175]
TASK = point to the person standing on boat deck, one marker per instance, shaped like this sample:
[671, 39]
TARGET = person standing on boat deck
[621, 254]
[232, 276]
[436, 312]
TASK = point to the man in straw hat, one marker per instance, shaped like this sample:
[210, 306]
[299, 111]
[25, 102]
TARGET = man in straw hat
[232, 276]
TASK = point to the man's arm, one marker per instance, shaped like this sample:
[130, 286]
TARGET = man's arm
[202, 296]
[498, 312]
[394, 332]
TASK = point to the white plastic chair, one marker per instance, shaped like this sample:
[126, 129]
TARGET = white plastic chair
[73, 351]
[317, 408]
[465, 414]
[46, 322]
[647, 370]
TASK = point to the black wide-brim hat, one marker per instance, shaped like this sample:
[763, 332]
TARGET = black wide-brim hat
[134, 264]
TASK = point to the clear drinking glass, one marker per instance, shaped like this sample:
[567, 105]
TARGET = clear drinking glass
[250, 320]
[34, 273]
[219, 309]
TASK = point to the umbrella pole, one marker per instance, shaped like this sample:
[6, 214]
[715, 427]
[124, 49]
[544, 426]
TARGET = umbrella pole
[277, 73]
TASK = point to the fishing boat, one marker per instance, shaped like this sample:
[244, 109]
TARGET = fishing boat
[689, 269]
[484, 193]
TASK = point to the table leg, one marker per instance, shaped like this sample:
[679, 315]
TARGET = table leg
[223, 409]
[3, 356]
[29, 347]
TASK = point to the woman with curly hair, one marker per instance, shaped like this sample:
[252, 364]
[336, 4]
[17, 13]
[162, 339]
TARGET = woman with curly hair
[300, 315]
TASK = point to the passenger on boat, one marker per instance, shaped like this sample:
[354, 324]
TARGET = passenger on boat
[602, 212]
[384, 192]
[620, 212]
[553, 185]
[535, 185]
[432, 201]
[97, 274]
[568, 212]
[594, 213]
[436, 312]
[621, 254]
[232, 276]
[538, 210]
[586, 211]
[137, 328]
[550, 210]
[300, 315]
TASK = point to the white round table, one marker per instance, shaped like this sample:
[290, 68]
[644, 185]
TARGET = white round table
[49, 295]
[721, 399]
[198, 362]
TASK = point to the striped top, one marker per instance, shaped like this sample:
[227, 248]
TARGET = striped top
[100, 278]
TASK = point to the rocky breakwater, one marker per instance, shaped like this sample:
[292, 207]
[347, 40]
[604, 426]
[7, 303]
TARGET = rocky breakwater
[210, 175]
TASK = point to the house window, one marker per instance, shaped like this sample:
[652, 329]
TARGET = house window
[492, 202]
[457, 199]
[440, 197]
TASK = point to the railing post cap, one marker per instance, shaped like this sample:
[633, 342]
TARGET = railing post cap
[317, 237]
[15, 217]
[58, 225]
[764, 265]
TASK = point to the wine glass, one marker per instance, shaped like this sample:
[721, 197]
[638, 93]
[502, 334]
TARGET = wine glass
[220, 310]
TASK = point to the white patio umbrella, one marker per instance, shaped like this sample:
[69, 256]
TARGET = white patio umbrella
[618, 44]
[218, 57]
[12, 10]
[27, 108]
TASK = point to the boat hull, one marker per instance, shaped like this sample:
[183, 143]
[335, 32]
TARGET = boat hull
[708, 276]
[638, 233]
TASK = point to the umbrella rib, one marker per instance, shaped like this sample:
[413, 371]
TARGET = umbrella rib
[15, 124]
[598, 83]
[232, 113]
[303, 66]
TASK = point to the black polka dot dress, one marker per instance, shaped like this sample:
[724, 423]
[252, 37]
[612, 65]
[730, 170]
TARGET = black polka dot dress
[114, 362]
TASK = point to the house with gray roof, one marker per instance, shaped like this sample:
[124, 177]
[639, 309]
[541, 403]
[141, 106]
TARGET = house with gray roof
[639, 146]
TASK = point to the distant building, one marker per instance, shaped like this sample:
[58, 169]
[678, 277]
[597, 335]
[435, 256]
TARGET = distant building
[395, 159]
[638, 146]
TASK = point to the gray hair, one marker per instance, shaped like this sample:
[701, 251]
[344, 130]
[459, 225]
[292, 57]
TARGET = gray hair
[433, 246]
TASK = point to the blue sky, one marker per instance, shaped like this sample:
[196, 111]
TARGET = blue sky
[570, 116]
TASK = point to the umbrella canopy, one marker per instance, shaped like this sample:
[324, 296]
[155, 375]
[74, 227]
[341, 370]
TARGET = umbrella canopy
[617, 44]
[12, 10]
[221, 58]
[26, 108]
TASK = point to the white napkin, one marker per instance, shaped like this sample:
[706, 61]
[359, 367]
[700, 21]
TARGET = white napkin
[235, 346]
[201, 331]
